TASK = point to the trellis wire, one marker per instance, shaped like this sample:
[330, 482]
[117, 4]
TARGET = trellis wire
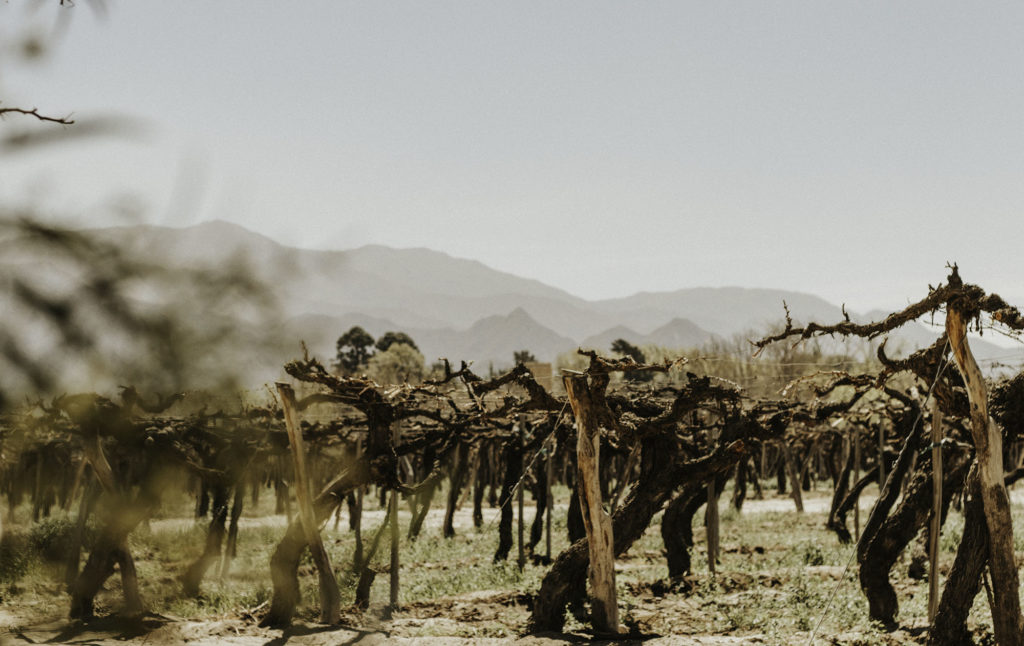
[526, 470]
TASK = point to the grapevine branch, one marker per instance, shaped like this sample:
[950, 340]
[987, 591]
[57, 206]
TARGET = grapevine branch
[970, 299]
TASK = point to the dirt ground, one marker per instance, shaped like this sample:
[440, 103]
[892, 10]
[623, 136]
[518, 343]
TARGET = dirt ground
[655, 613]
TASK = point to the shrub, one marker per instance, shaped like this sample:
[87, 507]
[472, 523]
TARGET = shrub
[15, 557]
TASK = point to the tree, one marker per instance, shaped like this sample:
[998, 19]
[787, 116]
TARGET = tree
[391, 338]
[355, 348]
[523, 356]
[399, 364]
[626, 349]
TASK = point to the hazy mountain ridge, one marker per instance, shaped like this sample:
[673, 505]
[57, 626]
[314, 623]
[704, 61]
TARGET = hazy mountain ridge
[462, 309]
[677, 333]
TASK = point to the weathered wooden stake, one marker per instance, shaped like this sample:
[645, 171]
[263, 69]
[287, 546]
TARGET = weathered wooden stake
[393, 519]
[597, 523]
[856, 479]
[794, 477]
[548, 470]
[936, 520]
[330, 597]
[521, 558]
[357, 521]
[988, 444]
[711, 525]
[520, 523]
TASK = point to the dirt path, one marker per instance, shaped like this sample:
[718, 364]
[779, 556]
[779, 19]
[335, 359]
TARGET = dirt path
[814, 502]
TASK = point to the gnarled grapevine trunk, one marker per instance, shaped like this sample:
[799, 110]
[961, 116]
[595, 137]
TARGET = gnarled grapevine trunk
[895, 533]
[231, 549]
[964, 580]
[424, 497]
[122, 516]
[565, 581]
[677, 526]
[512, 456]
[480, 478]
[458, 481]
[214, 541]
[851, 499]
[284, 563]
[739, 492]
[842, 485]
[540, 490]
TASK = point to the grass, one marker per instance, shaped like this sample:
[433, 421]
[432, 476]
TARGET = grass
[779, 574]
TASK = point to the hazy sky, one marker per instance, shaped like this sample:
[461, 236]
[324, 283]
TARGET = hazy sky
[844, 149]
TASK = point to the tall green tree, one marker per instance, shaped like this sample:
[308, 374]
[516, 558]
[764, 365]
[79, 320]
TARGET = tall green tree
[354, 348]
[391, 338]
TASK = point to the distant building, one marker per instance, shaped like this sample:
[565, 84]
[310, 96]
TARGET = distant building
[544, 373]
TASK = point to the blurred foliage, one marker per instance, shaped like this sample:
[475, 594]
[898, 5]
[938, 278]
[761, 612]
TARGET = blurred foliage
[77, 311]
[15, 556]
[399, 364]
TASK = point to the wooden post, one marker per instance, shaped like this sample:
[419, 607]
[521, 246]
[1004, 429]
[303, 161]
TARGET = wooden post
[936, 524]
[548, 469]
[711, 525]
[988, 444]
[794, 476]
[597, 523]
[711, 517]
[393, 519]
[330, 597]
[521, 558]
[856, 479]
[357, 522]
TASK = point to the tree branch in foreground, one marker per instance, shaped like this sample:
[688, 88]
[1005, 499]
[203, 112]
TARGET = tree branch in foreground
[34, 112]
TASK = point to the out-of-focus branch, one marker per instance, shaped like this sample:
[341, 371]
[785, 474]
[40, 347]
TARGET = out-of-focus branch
[34, 112]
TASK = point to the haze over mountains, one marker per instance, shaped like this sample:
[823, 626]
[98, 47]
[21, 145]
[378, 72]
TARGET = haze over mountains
[462, 309]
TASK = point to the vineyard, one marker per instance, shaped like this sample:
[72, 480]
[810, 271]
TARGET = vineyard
[839, 502]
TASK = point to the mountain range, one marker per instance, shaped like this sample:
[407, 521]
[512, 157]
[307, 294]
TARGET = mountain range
[463, 309]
